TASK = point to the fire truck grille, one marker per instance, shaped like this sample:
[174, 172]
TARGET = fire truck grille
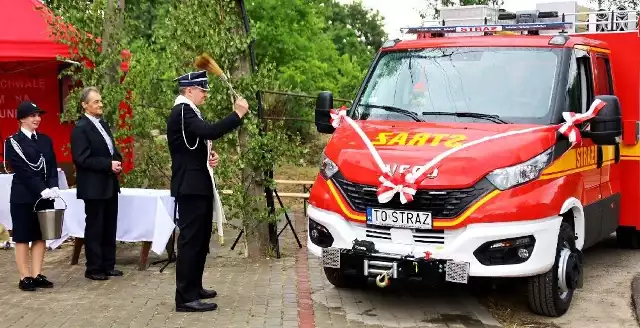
[442, 203]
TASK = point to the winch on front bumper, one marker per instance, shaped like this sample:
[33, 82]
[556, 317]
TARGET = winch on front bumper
[365, 260]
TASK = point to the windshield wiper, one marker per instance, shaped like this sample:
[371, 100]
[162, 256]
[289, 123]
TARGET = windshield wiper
[493, 118]
[392, 109]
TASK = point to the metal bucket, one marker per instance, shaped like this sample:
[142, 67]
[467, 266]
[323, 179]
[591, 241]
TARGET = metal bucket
[51, 221]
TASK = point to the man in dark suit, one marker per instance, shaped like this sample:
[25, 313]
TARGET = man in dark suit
[98, 163]
[191, 184]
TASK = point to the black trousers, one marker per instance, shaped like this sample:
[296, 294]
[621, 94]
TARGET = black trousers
[195, 221]
[101, 224]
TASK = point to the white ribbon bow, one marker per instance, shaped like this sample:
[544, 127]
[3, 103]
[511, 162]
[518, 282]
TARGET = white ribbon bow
[337, 116]
[389, 189]
[569, 128]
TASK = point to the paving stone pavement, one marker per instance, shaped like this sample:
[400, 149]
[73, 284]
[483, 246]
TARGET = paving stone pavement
[250, 294]
[287, 292]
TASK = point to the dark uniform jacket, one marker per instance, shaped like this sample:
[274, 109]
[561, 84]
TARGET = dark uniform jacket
[189, 172]
[27, 184]
[92, 160]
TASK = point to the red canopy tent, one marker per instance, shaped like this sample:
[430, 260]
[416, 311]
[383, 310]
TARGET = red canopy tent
[29, 69]
[25, 32]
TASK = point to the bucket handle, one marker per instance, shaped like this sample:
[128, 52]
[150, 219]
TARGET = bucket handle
[36, 204]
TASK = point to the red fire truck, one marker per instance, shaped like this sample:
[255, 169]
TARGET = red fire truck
[482, 156]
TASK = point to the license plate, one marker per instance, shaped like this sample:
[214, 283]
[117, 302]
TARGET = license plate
[399, 218]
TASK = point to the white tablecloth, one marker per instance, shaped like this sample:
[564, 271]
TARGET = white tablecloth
[5, 192]
[143, 215]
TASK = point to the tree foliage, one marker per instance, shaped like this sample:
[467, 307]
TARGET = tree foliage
[300, 46]
[315, 45]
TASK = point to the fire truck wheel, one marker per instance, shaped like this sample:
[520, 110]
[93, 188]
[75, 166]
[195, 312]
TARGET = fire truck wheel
[340, 279]
[550, 293]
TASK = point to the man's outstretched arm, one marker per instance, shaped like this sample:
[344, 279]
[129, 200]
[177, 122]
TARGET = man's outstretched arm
[212, 131]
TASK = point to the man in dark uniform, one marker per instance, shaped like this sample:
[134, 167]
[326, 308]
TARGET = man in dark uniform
[191, 184]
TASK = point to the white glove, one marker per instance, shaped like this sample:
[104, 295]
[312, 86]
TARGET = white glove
[47, 194]
[55, 192]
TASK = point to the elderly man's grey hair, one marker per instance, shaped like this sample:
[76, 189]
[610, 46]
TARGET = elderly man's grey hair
[86, 92]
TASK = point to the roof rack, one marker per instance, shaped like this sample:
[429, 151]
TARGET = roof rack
[615, 20]
[488, 28]
[499, 21]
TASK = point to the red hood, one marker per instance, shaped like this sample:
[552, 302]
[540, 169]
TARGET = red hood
[411, 144]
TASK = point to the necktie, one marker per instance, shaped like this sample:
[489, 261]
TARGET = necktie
[33, 137]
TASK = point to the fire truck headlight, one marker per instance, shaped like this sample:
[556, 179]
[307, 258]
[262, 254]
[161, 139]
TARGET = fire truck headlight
[516, 175]
[327, 167]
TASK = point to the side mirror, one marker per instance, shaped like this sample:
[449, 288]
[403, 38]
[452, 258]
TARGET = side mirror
[324, 104]
[606, 127]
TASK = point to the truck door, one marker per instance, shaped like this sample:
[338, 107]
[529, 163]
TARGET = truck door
[587, 153]
[609, 156]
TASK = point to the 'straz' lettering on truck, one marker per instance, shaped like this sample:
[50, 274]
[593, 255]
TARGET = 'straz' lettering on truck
[418, 139]
[586, 156]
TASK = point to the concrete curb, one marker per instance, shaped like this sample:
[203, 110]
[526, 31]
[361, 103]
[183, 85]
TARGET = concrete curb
[635, 297]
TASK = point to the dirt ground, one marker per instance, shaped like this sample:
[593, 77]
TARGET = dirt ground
[605, 300]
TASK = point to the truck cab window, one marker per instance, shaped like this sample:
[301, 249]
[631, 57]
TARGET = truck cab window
[576, 88]
[513, 83]
[586, 81]
[604, 83]
[584, 86]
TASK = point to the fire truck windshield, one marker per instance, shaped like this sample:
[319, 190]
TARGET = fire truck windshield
[475, 84]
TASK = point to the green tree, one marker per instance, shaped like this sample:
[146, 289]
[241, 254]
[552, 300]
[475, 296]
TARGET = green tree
[353, 27]
[315, 45]
[300, 45]
[174, 46]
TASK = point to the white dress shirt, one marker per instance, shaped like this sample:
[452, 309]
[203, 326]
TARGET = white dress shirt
[28, 133]
[96, 122]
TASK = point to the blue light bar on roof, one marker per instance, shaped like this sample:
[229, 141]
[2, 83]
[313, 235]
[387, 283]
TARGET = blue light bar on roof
[488, 28]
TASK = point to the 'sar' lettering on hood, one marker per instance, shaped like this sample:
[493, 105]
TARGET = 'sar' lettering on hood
[418, 139]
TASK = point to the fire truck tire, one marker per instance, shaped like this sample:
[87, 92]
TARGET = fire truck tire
[545, 291]
[628, 237]
[340, 279]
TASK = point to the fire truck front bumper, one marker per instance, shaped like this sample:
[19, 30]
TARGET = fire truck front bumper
[510, 249]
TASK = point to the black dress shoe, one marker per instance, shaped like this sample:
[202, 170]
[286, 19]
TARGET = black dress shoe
[27, 284]
[196, 306]
[96, 276]
[41, 282]
[207, 293]
[114, 273]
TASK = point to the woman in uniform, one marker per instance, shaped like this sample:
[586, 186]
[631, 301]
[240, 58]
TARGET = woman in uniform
[35, 180]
